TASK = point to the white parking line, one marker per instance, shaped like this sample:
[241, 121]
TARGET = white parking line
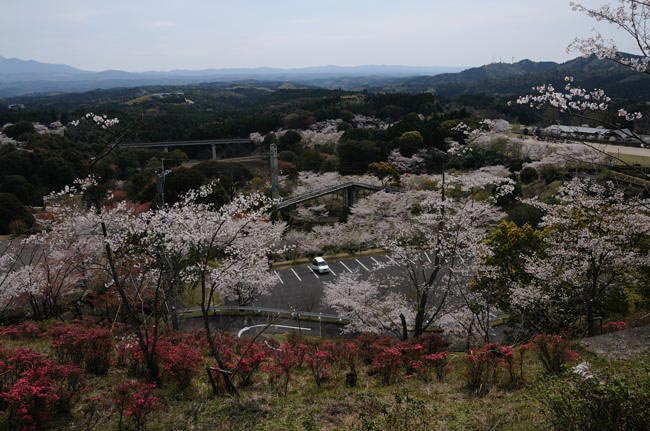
[296, 274]
[279, 278]
[428, 258]
[312, 271]
[364, 266]
[379, 264]
[346, 267]
[332, 271]
[391, 259]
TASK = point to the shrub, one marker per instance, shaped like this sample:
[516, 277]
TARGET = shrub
[13, 363]
[136, 401]
[387, 363]
[42, 393]
[528, 175]
[26, 330]
[319, 363]
[87, 347]
[483, 367]
[614, 326]
[437, 363]
[180, 362]
[412, 352]
[554, 352]
[246, 360]
[589, 404]
[284, 361]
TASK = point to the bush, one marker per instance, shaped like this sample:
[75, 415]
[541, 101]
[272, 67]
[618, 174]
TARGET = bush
[319, 362]
[554, 352]
[483, 366]
[247, 361]
[528, 175]
[136, 401]
[614, 326]
[27, 330]
[37, 390]
[387, 364]
[87, 347]
[437, 363]
[284, 361]
[589, 404]
[180, 362]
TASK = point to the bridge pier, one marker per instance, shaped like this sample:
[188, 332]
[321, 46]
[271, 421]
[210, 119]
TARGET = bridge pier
[349, 194]
[214, 151]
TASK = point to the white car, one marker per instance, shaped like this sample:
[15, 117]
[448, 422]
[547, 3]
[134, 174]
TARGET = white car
[319, 266]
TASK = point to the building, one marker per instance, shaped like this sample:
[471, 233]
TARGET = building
[588, 133]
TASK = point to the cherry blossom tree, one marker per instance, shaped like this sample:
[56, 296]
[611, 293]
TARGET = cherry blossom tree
[431, 245]
[629, 15]
[593, 244]
[227, 248]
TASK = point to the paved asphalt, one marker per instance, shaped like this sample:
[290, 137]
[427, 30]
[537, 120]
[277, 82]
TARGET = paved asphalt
[300, 288]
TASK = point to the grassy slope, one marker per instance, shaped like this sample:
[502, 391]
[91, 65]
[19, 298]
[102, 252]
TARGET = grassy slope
[370, 406]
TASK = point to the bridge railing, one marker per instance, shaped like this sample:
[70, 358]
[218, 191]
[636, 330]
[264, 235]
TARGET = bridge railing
[312, 194]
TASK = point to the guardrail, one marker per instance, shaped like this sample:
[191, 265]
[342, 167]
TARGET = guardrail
[276, 312]
[185, 143]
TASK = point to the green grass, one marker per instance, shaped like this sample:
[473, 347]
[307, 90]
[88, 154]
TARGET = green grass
[635, 160]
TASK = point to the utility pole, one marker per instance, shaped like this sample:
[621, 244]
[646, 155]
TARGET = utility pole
[275, 194]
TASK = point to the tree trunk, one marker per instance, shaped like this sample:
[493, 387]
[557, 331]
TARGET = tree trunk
[405, 329]
[230, 387]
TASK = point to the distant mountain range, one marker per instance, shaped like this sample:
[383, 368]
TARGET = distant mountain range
[518, 78]
[20, 78]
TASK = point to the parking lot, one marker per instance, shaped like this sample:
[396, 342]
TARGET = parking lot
[301, 288]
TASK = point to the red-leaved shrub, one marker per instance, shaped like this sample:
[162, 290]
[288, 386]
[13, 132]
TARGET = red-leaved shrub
[87, 347]
[284, 360]
[437, 363]
[483, 365]
[554, 352]
[319, 362]
[179, 362]
[387, 363]
[43, 391]
[615, 326]
[23, 331]
[136, 401]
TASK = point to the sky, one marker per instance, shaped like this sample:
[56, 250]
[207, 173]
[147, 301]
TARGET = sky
[140, 35]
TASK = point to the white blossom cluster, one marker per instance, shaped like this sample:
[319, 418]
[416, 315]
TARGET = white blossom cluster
[366, 122]
[630, 15]
[237, 236]
[569, 99]
[589, 248]
[415, 164]
[98, 120]
[442, 233]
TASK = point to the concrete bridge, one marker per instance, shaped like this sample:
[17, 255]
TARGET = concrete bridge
[213, 143]
[349, 189]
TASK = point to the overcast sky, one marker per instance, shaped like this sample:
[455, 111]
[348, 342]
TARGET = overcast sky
[138, 35]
